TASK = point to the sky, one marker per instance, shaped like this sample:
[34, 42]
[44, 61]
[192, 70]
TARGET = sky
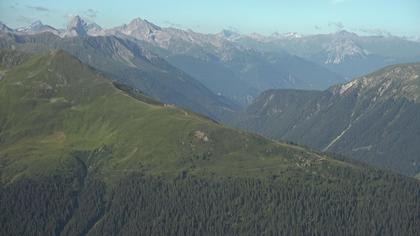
[377, 17]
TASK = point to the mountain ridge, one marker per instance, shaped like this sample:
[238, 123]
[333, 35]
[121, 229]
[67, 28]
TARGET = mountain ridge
[372, 118]
[239, 73]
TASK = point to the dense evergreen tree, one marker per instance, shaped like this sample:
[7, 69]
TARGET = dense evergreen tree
[370, 204]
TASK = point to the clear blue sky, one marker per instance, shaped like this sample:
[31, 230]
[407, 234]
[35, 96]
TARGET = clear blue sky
[399, 17]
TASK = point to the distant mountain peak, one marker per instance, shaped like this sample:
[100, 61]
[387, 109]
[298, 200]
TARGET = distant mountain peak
[281, 36]
[79, 27]
[229, 34]
[4, 28]
[141, 23]
[76, 21]
[76, 27]
[257, 37]
[37, 27]
[341, 49]
[137, 28]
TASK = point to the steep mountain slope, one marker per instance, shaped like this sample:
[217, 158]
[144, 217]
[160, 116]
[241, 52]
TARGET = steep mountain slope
[124, 61]
[344, 52]
[80, 156]
[373, 119]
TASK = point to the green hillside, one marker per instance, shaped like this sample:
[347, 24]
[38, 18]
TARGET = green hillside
[82, 156]
[53, 105]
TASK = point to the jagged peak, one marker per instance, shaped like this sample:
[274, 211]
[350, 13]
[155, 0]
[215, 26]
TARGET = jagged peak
[139, 22]
[229, 34]
[76, 27]
[76, 22]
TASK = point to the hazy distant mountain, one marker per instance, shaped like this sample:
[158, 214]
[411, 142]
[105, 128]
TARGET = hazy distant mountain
[78, 27]
[4, 29]
[343, 52]
[226, 67]
[37, 27]
[240, 67]
[139, 29]
[374, 119]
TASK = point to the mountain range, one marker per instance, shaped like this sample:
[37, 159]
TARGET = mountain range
[374, 119]
[227, 68]
[343, 52]
[83, 155]
[240, 67]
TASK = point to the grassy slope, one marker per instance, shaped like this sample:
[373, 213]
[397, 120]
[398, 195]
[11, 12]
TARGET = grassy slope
[55, 109]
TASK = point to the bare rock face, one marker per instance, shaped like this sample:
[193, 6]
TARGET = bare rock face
[340, 49]
[394, 82]
[140, 29]
[77, 27]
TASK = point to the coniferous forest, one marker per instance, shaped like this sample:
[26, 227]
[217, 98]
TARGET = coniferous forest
[140, 205]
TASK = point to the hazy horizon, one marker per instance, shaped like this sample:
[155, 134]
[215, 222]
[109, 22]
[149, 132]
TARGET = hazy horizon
[303, 17]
